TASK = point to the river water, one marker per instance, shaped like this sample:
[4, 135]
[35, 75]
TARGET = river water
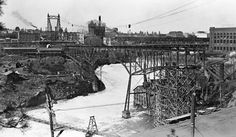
[106, 106]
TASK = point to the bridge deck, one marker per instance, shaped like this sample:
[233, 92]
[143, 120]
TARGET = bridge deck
[149, 46]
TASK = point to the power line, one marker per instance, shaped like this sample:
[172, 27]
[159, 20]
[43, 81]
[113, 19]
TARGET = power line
[168, 22]
[164, 14]
[95, 106]
[161, 15]
[72, 24]
[199, 132]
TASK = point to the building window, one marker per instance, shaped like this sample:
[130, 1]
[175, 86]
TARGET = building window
[223, 48]
[231, 48]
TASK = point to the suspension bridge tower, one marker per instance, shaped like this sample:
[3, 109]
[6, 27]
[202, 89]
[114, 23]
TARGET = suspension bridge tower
[53, 17]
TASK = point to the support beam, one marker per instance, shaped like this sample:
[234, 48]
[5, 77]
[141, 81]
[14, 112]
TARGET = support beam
[126, 112]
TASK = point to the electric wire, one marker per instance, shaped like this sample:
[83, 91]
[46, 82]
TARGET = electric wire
[137, 83]
[199, 132]
[171, 13]
[72, 24]
[166, 14]
[162, 15]
[171, 21]
[94, 106]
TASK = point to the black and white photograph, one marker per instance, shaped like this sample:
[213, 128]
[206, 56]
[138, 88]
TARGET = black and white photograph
[117, 68]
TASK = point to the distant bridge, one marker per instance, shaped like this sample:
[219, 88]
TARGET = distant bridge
[122, 39]
[34, 43]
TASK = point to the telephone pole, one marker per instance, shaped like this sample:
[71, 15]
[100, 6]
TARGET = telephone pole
[49, 108]
[193, 113]
[193, 104]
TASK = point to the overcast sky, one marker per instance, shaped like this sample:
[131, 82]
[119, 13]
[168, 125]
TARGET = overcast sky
[186, 15]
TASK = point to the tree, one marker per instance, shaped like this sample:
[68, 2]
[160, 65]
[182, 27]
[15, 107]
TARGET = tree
[2, 2]
[17, 28]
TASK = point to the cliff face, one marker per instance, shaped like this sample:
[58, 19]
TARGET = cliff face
[26, 87]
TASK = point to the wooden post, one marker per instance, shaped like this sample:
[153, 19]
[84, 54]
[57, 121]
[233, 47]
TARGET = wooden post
[193, 113]
[194, 98]
[49, 108]
[144, 69]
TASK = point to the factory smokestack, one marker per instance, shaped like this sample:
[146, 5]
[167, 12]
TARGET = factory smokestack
[25, 21]
[100, 20]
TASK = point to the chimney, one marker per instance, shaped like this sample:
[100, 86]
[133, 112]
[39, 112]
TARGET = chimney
[99, 19]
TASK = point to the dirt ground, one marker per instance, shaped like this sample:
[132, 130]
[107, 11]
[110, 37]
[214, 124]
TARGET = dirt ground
[217, 124]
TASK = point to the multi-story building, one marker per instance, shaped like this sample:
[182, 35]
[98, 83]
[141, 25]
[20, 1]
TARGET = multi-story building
[223, 39]
[97, 28]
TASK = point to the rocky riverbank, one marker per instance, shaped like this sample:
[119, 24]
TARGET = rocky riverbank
[22, 80]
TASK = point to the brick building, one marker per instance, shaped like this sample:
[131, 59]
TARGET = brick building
[223, 39]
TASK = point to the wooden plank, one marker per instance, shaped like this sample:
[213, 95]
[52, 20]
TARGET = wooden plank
[178, 118]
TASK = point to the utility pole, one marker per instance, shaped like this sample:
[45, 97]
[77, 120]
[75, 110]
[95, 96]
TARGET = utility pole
[193, 105]
[193, 113]
[49, 108]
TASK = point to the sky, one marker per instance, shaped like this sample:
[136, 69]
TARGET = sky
[181, 15]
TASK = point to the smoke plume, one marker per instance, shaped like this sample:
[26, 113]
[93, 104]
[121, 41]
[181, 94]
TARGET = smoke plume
[25, 21]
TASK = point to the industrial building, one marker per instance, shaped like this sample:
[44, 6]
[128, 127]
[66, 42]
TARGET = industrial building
[223, 39]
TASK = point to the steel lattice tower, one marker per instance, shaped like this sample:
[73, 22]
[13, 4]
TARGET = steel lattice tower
[53, 17]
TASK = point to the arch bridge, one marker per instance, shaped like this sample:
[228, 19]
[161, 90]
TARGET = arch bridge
[174, 68]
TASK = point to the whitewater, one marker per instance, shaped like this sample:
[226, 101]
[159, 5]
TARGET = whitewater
[106, 106]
